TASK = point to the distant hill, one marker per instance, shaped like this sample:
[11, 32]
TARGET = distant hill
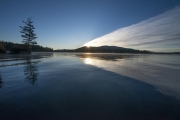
[104, 49]
[110, 49]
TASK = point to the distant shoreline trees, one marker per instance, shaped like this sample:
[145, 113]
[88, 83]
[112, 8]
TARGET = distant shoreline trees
[28, 34]
[2, 48]
[18, 48]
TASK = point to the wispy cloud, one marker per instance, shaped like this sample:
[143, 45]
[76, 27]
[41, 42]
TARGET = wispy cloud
[159, 33]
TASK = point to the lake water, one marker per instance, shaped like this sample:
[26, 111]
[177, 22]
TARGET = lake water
[74, 86]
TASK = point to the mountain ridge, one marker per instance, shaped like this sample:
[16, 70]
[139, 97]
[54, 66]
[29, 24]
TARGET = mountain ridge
[104, 49]
[110, 49]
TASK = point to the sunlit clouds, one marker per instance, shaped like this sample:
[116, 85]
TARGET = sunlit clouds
[159, 33]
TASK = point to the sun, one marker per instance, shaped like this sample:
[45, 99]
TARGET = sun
[89, 44]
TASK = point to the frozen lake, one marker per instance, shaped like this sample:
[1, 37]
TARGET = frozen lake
[74, 86]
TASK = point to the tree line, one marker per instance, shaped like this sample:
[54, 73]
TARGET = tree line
[10, 46]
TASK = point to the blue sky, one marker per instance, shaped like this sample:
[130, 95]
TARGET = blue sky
[68, 24]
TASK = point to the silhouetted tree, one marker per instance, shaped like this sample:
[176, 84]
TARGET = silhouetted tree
[28, 34]
[2, 48]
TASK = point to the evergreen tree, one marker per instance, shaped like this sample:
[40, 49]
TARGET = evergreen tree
[28, 34]
[2, 48]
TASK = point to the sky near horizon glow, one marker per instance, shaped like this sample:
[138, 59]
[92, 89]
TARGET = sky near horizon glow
[69, 24]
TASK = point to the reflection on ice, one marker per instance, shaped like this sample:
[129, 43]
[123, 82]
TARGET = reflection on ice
[88, 61]
[69, 89]
[1, 81]
[15, 60]
[29, 61]
[31, 71]
[161, 71]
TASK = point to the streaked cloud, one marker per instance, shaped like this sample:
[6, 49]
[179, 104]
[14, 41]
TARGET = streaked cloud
[159, 33]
